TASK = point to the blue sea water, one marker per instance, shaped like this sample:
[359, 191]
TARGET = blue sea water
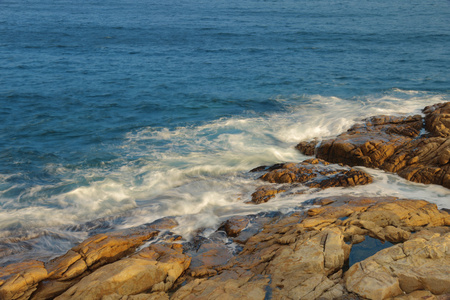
[126, 111]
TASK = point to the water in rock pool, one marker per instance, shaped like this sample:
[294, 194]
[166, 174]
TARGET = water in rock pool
[117, 113]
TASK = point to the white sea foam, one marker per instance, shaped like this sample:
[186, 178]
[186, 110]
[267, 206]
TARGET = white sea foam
[199, 173]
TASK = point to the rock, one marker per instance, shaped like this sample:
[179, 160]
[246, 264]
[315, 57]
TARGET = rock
[422, 295]
[256, 223]
[417, 264]
[154, 268]
[234, 225]
[152, 296]
[208, 257]
[265, 193]
[371, 144]
[312, 173]
[437, 119]
[36, 280]
[298, 255]
[227, 285]
[97, 251]
[307, 148]
[20, 280]
[393, 144]
[161, 224]
[301, 256]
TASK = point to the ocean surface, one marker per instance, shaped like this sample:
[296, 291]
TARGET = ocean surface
[117, 113]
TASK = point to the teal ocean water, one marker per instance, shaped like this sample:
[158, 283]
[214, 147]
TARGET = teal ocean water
[117, 113]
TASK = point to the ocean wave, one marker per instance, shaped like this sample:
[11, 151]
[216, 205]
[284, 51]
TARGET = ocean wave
[199, 173]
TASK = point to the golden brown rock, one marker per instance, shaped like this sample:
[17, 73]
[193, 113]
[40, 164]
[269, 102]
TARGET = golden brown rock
[307, 148]
[301, 257]
[265, 193]
[393, 144]
[152, 296]
[19, 281]
[97, 251]
[266, 269]
[295, 256]
[437, 120]
[26, 280]
[425, 295]
[155, 268]
[417, 264]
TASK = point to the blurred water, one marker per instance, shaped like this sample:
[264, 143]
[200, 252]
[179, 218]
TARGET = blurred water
[134, 110]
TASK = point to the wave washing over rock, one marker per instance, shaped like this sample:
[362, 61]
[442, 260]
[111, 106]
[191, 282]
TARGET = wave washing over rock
[303, 254]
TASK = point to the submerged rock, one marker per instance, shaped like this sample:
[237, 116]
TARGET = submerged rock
[394, 144]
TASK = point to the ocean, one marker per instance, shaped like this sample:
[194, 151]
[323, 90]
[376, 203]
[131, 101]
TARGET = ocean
[117, 113]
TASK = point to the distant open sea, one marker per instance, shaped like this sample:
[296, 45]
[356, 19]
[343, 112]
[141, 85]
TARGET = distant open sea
[117, 113]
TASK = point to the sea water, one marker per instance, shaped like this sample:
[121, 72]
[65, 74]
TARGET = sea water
[117, 113]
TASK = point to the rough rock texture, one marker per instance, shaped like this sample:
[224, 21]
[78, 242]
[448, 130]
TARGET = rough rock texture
[422, 263]
[275, 270]
[36, 280]
[208, 258]
[18, 281]
[311, 173]
[302, 256]
[308, 148]
[234, 225]
[394, 144]
[437, 120]
[154, 268]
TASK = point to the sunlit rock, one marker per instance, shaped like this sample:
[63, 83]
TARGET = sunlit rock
[394, 144]
[154, 268]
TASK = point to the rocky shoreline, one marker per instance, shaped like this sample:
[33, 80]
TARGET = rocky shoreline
[341, 247]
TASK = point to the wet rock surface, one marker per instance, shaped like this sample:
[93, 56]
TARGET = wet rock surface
[309, 174]
[395, 144]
